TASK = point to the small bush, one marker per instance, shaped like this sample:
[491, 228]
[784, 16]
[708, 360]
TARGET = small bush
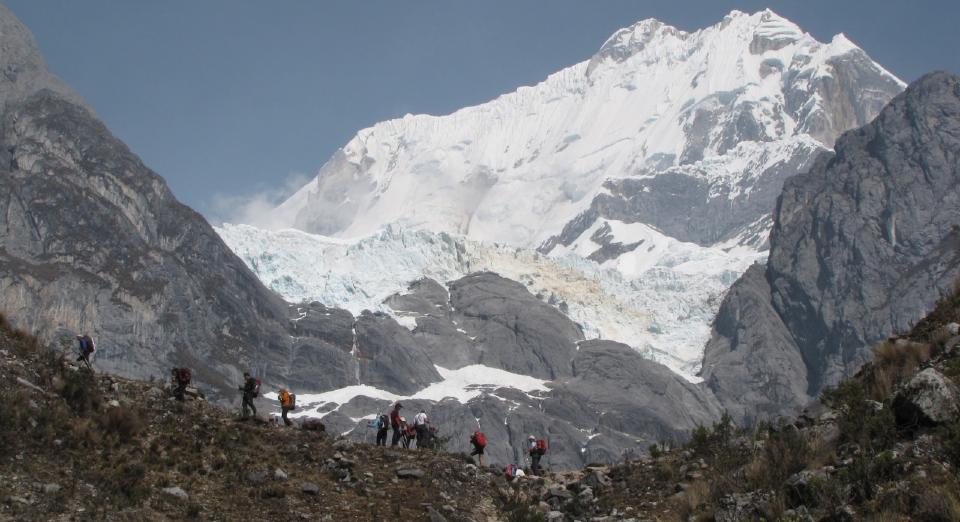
[706, 441]
[121, 424]
[125, 484]
[938, 504]
[696, 497]
[787, 451]
[865, 474]
[81, 392]
[518, 510]
[859, 422]
[950, 437]
[893, 363]
[655, 451]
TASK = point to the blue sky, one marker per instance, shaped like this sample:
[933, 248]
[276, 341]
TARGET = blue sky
[229, 99]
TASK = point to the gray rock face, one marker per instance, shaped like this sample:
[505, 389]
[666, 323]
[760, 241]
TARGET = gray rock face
[514, 330]
[928, 398]
[862, 246]
[618, 389]
[92, 241]
[752, 363]
[389, 356]
[437, 332]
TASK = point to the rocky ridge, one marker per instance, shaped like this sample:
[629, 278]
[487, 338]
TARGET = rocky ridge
[861, 247]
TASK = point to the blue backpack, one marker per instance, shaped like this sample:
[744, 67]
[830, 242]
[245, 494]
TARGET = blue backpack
[86, 345]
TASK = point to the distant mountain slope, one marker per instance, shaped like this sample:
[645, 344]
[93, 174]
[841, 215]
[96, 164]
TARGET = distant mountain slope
[646, 174]
[91, 240]
[862, 246]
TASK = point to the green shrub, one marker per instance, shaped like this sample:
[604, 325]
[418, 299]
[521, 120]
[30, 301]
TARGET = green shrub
[866, 473]
[950, 438]
[125, 485]
[655, 451]
[858, 421]
[81, 392]
[785, 452]
[121, 424]
[707, 441]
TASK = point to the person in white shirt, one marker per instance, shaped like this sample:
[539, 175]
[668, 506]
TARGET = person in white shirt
[420, 423]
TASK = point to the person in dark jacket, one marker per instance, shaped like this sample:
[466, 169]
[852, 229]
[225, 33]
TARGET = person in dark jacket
[249, 389]
[181, 379]
[535, 455]
[86, 348]
[395, 424]
[383, 424]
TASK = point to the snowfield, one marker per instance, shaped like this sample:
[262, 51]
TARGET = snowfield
[462, 385]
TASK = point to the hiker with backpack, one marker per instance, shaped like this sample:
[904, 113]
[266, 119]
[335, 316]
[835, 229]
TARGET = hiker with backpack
[86, 349]
[536, 449]
[395, 424]
[479, 442]
[181, 379]
[383, 424]
[421, 426]
[288, 402]
[250, 389]
[407, 433]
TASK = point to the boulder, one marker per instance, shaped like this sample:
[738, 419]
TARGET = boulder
[802, 487]
[176, 492]
[309, 488]
[313, 425]
[257, 477]
[741, 506]
[597, 480]
[411, 473]
[435, 515]
[929, 398]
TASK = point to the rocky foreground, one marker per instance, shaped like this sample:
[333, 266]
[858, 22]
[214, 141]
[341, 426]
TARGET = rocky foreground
[884, 445]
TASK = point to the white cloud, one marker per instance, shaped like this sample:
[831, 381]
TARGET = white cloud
[255, 208]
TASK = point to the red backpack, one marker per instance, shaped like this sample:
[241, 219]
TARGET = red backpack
[480, 440]
[256, 389]
[184, 375]
[510, 472]
[541, 446]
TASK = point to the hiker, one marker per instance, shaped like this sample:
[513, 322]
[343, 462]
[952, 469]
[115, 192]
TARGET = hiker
[250, 389]
[395, 424]
[86, 348]
[407, 433]
[536, 449]
[383, 424]
[181, 379]
[479, 442]
[286, 404]
[420, 425]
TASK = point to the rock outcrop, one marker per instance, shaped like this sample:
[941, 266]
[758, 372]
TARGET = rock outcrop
[92, 241]
[928, 398]
[862, 246]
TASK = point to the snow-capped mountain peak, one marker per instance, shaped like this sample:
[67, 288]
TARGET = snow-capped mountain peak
[517, 169]
[633, 187]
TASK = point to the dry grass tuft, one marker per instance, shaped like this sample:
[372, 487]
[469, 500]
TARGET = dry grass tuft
[894, 362]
